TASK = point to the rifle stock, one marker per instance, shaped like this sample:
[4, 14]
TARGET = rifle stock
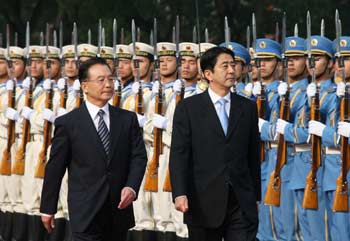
[167, 184]
[261, 112]
[151, 180]
[19, 165]
[40, 168]
[310, 200]
[117, 96]
[5, 167]
[341, 197]
[273, 191]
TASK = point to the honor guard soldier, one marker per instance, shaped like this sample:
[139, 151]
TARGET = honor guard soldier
[202, 84]
[5, 216]
[138, 101]
[313, 221]
[86, 51]
[124, 70]
[295, 134]
[268, 52]
[338, 221]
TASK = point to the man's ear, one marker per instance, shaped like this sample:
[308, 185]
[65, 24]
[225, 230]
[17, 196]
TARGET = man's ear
[84, 87]
[208, 75]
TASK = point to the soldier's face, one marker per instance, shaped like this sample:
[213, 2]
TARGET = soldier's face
[145, 67]
[254, 70]
[189, 68]
[37, 68]
[99, 87]
[18, 68]
[296, 66]
[70, 68]
[268, 67]
[167, 65]
[55, 69]
[323, 65]
[124, 69]
[346, 68]
[3, 68]
[223, 75]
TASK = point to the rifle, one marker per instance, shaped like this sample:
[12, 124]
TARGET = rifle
[273, 192]
[139, 98]
[5, 167]
[118, 92]
[19, 165]
[341, 198]
[40, 168]
[179, 96]
[261, 100]
[80, 94]
[310, 200]
[151, 180]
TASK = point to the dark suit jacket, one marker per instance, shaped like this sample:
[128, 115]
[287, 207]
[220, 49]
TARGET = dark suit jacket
[93, 177]
[204, 162]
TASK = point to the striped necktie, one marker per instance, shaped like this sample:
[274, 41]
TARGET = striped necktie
[103, 132]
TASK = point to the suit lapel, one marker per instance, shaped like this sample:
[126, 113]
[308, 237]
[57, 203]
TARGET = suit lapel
[115, 128]
[210, 114]
[235, 114]
[87, 125]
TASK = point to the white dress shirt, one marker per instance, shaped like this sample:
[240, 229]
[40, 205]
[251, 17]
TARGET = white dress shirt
[93, 111]
[215, 99]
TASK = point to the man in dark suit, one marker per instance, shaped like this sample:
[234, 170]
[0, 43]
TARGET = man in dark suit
[102, 148]
[214, 158]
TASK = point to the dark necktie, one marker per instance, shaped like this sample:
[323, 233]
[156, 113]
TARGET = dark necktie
[103, 131]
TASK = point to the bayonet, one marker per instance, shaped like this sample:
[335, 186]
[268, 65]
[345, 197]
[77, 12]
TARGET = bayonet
[296, 30]
[194, 35]
[138, 36]
[151, 37]
[103, 40]
[177, 44]
[47, 59]
[206, 35]
[248, 38]
[16, 39]
[122, 36]
[75, 43]
[173, 37]
[114, 43]
[89, 36]
[277, 32]
[55, 38]
[60, 33]
[99, 38]
[322, 27]
[41, 38]
[227, 32]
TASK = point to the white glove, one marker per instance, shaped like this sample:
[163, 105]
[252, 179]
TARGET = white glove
[159, 121]
[155, 88]
[76, 85]
[281, 125]
[249, 88]
[11, 114]
[311, 90]
[135, 87]
[10, 85]
[27, 112]
[282, 88]
[257, 89]
[340, 89]
[177, 86]
[116, 84]
[61, 111]
[344, 129]
[26, 83]
[141, 119]
[48, 115]
[199, 90]
[61, 83]
[261, 123]
[47, 84]
[316, 128]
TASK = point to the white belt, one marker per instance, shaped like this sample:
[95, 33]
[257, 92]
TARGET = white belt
[302, 147]
[332, 151]
[273, 145]
[37, 137]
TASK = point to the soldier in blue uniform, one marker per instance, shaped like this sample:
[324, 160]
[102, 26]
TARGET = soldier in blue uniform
[295, 133]
[338, 222]
[269, 54]
[313, 222]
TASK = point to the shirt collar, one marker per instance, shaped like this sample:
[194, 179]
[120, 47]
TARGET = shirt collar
[215, 97]
[93, 109]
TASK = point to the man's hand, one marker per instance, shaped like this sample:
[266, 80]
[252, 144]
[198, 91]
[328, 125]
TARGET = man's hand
[126, 198]
[181, 204]
[49, 222]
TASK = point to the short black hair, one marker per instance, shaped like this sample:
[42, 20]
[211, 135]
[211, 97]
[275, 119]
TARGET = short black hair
[210, 57]
[86, 65]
